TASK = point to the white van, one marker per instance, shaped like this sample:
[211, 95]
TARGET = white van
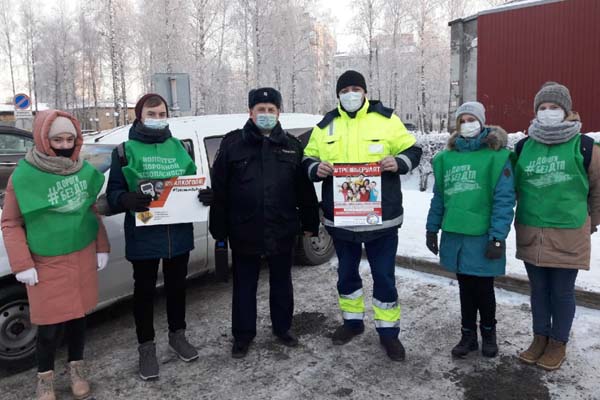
[204, 134]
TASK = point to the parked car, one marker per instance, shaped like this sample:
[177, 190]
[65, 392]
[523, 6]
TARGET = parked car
[14, 143]
[204, 133]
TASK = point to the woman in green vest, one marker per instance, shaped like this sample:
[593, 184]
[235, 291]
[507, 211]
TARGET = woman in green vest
[557, 178]
[56, 243]
[472, 204]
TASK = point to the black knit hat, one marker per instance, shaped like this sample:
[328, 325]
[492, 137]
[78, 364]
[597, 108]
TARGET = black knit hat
[350, 78]
[264, 95]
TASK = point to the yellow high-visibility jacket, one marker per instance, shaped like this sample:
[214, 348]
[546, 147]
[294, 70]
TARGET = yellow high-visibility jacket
[371, 135]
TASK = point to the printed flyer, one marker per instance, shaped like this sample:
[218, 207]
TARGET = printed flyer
[175, 201]
[357, 194]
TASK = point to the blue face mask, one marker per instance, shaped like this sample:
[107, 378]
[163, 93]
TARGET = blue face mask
[266, 122]
[155, 123]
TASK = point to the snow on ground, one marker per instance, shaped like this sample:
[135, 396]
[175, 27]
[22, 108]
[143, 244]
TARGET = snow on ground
[316, 369]
[412, 238]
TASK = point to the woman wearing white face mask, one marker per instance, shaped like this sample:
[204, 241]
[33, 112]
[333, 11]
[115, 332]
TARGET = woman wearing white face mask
[557, 177]
[473, 206]
[150, 138]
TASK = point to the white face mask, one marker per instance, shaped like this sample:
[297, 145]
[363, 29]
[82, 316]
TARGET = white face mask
[156, 123]
[351, 101]
[551, 117]
[470, 129]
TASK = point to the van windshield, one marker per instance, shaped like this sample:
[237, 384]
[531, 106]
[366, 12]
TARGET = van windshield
[99, 155]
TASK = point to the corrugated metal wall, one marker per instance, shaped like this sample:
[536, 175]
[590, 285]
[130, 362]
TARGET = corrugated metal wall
[521, 49]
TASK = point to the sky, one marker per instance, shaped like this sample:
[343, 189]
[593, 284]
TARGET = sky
[341, 12]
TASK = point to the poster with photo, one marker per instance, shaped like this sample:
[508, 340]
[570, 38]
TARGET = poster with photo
[357, 194]
[174, 201]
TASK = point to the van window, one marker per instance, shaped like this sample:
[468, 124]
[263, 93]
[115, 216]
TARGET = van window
[212, 144]
[99, 155]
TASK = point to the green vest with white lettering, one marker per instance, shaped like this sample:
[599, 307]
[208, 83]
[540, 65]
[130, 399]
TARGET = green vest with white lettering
[156, 161]
[467, 181]
[57, 209]
[552, 185]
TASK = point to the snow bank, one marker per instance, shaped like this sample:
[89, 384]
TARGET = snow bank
[412, 240]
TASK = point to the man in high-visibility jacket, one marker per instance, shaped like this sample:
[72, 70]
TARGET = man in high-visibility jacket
[363, 131]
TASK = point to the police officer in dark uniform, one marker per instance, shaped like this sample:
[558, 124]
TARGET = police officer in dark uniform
[262, 201]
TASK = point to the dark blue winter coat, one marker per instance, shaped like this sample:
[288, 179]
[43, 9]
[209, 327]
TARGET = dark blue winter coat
[465, 254]
[146, 242]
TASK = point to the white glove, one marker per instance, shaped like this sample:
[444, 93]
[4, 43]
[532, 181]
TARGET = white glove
[102, 260]
[28, 277]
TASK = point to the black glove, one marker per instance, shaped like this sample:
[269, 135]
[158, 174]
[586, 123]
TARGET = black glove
[205, 196]
[432, 242]
[495, 249]
[135, 201]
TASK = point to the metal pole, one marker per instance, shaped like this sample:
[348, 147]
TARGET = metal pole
[175, 105]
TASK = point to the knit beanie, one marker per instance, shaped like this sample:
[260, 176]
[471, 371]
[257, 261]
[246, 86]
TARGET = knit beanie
[140, 104]
[474, 108]
[61, 125]
[552, 92]
[350, 78]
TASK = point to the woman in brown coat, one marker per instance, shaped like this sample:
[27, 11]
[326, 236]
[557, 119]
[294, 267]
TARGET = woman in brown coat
[557, 179]
[56, 242]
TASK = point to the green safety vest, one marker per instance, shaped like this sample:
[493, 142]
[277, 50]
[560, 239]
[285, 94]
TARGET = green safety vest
[57, 208]
[156, 161]
[552, 185]
[467, 181]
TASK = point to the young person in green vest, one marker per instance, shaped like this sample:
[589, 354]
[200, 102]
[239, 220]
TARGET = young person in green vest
[145, 247]
[557, 178]
[56, 242]
[473, 202]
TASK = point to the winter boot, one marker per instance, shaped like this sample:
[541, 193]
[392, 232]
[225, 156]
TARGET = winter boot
[535, 350]
[489, 345]
[343, 334]
[240, 348]
[393, 347]
[79, 385]
[553, 356]
[468, 342]
[45, 386]
[287, 339]
[148, 362]
[181, 346]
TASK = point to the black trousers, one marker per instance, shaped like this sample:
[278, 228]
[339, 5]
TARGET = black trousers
[145, 273]
[477, 294]
[245, 282]
[48, 337]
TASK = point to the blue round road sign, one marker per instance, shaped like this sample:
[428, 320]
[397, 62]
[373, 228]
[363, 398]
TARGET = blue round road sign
[22, 101]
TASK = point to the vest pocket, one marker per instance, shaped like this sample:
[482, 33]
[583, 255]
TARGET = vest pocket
[331, 148]
[374, 147]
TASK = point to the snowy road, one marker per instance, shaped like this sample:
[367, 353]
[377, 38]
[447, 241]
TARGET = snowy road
[318, 370]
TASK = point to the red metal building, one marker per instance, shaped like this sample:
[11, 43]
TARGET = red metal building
[520, 48]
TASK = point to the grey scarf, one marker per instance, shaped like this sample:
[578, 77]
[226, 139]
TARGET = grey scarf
[53, 165]
[554, 134]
